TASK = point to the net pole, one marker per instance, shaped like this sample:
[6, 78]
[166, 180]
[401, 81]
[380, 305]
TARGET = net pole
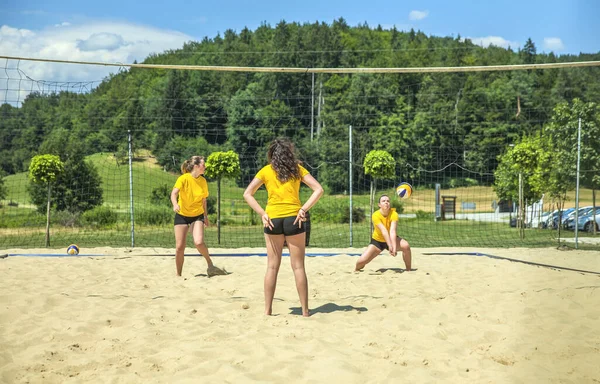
[312, 108]
[577, 186]
[350, 176]
[131, 189]
[520, 220]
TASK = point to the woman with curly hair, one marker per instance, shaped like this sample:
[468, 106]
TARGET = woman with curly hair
[284, 216]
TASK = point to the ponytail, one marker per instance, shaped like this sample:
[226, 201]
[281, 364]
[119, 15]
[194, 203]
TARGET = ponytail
[185, 167]
[188, 165]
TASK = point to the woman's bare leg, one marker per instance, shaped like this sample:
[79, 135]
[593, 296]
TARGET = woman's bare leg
[274, 250]
[181, 231]
[369, 254]
[198, 233]
[297, 246]
[406, 253]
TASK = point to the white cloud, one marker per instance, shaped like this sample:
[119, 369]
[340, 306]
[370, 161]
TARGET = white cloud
[553, 44]
[494, 40]
[63, 24]
[418, 15]
[104, 40]
[109, 42]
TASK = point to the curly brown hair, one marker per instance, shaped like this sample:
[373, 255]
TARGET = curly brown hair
[282, 156]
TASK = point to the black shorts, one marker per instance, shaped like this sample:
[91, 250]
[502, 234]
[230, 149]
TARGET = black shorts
[285, 226]
[186, 220]
[381, 245]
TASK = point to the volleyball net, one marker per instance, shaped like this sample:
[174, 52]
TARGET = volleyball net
[123, 140]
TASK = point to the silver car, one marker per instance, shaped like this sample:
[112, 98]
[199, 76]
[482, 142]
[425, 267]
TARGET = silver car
[586, 221]
[569, 221]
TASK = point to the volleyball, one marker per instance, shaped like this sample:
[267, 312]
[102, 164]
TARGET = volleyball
[404, 190]
[73, 250]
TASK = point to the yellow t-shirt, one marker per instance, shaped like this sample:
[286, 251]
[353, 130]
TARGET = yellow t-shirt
[284, 199]
[378, 218]
[192, 192]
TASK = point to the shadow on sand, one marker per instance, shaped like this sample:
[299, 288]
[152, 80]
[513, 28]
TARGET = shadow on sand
[328, 308]
[397, 270]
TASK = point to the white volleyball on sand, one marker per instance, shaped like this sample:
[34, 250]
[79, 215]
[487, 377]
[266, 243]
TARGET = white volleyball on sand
[73, 249]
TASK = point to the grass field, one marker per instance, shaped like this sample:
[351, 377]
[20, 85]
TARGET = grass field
[419, 233]
[148, 175]
[22, 226]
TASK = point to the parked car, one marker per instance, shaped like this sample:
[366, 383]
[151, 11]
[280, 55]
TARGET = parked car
[586, 221]
[569, 221]
[544, 219]
[552, 221]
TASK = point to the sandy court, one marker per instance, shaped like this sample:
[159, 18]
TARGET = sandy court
[124, 317]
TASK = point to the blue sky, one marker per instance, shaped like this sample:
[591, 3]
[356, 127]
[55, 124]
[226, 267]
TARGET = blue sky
[122, 31]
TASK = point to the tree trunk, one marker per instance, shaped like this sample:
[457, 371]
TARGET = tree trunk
[48, 218]
[594, 211]
[218, 211]
[561, 204]
[371, 201]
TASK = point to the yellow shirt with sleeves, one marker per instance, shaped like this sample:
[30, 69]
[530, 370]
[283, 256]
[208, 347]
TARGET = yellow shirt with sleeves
[378, 218]
[284, 198]
[192, 192]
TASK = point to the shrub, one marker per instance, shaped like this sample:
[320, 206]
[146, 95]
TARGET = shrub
[211, 204]
[161, 196]
[471, 182]
[336, 211]
[66, 218]
[358, 215]
[154, 216]
[461, 182]
[99, 217]
[398, 204]
[422, 215]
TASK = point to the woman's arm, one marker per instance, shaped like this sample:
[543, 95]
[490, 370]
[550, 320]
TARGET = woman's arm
[393, 235]
[174, 194]
[251, 200]
[313, 184]
[386, 236]
[205, 207]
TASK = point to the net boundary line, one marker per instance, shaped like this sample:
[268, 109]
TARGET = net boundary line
[308, 254]
[479, 68]
[556, 267]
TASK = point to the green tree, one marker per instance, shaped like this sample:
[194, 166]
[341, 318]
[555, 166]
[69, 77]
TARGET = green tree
[44, 170]
[161, 196]
[77, 188]
[522, 162]
[174, 151]
[529, 52]
[3, 189]
[563, 131]
[218, 166]
[379, 165]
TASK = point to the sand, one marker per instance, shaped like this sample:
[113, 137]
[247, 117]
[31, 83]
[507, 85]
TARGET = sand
[124, 317]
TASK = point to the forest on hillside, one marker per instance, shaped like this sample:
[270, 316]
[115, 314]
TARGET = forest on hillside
[426, 121]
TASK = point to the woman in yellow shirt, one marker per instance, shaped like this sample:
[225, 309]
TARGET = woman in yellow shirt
[284, 216]
[385, 221]
[189, 203]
